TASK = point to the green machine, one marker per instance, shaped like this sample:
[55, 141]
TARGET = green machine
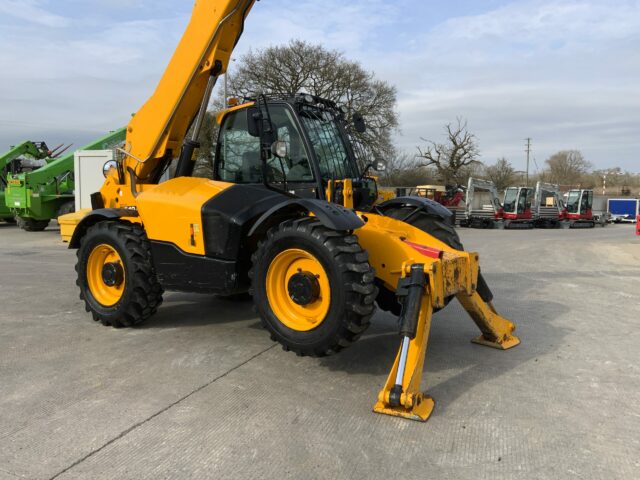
[25, 156]
[38, 196]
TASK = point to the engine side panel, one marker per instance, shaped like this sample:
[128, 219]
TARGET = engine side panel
[172, 211]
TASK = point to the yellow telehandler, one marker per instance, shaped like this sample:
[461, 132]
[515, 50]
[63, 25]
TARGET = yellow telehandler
[290, 216]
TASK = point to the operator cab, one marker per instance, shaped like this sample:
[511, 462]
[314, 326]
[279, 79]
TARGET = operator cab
[580, 204]
[517, 202]
[308, 150]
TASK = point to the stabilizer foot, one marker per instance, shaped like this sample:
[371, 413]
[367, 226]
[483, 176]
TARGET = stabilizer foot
[420, 412]
[509, 342]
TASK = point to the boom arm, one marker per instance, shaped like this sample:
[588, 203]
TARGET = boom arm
[159, 128]
[64, 164]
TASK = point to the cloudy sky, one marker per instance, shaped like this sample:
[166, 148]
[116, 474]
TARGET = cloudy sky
[566, 73]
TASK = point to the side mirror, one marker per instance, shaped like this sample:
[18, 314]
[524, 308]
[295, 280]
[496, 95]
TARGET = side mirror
[253, 121]
[279, 149]
[108, 167]
[359, 123]
[258, 126]
[380, 166]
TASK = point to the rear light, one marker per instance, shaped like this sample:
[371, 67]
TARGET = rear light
[424, 250]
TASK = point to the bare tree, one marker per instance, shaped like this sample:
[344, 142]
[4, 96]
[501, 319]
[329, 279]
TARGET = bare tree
[567, 167]
[298, 66]
[501, 173]
[404, 170]
[455, 158]
[302, 67]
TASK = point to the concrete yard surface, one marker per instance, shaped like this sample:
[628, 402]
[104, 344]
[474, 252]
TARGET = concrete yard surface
[200, 391]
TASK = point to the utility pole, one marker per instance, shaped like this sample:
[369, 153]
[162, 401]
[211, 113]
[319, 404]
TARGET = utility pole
[528, 150]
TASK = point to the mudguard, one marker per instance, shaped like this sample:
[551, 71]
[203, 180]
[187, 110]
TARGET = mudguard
[97, 216]
[430, 206]
[331, 215]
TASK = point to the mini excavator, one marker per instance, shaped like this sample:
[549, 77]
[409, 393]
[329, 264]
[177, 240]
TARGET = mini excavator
[290, 216]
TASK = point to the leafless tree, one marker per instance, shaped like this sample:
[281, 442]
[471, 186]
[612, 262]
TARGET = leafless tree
[567, 167]
[454, 158]
[404, 170]
[501, 173]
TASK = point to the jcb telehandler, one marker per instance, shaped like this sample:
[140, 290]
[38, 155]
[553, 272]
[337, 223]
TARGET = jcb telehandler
[289, 217]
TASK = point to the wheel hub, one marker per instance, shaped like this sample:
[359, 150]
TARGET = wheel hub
[112, 274]
[303, 288]
[106, 276]
[298, 289]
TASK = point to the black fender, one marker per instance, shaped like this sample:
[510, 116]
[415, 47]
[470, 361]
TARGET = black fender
[331, 215]
[430, 206]
[96, 216]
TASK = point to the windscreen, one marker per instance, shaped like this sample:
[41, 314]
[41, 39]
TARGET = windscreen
[239, 160]
[510, 200]
[326, 139]
[573, 202]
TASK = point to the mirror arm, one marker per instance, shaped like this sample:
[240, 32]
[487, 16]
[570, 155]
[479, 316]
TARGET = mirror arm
[366, 169]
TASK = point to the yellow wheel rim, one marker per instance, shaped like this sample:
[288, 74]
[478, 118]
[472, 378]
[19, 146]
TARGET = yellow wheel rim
[297, 317]
[105, 294]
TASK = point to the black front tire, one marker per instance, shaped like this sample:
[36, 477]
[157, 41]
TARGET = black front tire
[66, 208]
[142, 293]
[31, 225]
[350, 276]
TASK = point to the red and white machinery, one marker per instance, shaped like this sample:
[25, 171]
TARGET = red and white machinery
[516, 205]
[482, 205]
[578, 211]
[548, 207]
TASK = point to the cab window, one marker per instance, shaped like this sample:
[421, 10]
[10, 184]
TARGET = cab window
[238, 159]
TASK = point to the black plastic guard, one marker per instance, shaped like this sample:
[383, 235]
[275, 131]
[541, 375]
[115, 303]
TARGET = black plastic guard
[430, 206]
[331, 215]
[96, 216]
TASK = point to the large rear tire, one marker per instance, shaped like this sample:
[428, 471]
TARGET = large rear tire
[116, 276]
[434, 226]
[66, 208]
[31, 225]
[312, 287]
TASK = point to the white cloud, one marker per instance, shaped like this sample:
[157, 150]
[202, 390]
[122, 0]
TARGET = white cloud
[31, 11]
[565, 73]
[562, 72]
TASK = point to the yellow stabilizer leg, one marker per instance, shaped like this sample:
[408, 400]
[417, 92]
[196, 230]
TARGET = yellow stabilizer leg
[496, 330]
[413, 403]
